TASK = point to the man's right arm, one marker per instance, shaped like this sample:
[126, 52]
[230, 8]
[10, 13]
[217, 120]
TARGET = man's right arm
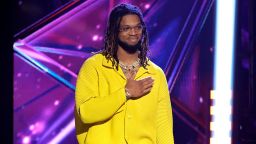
[89, 106]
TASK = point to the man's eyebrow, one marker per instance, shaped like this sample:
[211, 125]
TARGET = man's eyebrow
[131, 25]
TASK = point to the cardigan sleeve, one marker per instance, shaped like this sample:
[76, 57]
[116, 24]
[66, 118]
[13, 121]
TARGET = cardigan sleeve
[164, 114]
[89, 106]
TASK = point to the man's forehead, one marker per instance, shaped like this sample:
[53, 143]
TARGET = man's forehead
[130, 20]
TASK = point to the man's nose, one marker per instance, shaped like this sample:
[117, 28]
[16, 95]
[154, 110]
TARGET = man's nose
[133, 31]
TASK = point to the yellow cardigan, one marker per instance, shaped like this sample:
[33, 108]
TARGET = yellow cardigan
[104, 116]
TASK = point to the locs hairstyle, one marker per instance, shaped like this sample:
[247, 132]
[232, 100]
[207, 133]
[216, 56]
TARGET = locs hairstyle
[111, 35]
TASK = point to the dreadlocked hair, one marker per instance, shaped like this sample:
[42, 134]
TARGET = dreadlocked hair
[111, 35]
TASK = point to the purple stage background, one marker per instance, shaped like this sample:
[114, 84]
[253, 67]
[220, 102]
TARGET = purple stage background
[49, 54]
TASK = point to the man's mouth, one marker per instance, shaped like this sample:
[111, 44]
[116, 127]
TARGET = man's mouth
[133, 39]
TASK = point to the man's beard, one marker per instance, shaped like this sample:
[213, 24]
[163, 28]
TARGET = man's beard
[131, 49]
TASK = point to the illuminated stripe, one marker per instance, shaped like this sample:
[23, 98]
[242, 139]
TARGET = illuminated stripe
[64, 132]
[221, 96]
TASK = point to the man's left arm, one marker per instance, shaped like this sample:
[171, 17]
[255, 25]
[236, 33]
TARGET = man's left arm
[164, 113]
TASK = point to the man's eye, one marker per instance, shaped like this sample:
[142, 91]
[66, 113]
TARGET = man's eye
[139, 27]
[126, 28]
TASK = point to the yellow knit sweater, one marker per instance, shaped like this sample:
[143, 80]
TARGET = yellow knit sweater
[104, 116]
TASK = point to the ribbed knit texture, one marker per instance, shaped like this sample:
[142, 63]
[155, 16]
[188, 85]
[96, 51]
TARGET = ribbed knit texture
[104, 116]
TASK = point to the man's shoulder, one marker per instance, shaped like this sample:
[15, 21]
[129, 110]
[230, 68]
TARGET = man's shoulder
[155, 67]
[94, 58]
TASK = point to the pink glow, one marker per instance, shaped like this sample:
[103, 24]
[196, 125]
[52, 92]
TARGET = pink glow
[56, 102]
[98, 26]
[60, 57]
[69, 65]
[38, 127]
[19, 74]
[95, 37]
[211, 49]
[80, 46]
[147, 6]
[201, 100]
[31, 127]
[26, 140]
[47, 112]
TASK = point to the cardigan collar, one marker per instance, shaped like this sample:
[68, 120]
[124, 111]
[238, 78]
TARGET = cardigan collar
[149, 68]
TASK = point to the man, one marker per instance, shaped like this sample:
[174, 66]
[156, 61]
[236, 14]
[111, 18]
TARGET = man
[121, 96]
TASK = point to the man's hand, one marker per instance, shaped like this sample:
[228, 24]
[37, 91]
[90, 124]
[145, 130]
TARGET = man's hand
[138, 88]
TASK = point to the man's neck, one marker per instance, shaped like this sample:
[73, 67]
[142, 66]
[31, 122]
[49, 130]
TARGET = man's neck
[125, 57]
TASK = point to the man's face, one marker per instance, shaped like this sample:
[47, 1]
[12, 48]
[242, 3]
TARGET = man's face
[130, 30]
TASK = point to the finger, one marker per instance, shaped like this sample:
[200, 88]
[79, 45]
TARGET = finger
[148, 85]
[145, 80]
[147, 90]
[148, 82]
[132, 75]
